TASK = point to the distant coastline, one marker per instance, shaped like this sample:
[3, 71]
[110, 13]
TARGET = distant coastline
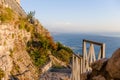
[106, 34]
[74, 41]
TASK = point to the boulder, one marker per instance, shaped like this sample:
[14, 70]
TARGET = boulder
[113, 65]
[99, 64]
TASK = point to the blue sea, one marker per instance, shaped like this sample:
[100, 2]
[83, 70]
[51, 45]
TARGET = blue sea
[74, 41]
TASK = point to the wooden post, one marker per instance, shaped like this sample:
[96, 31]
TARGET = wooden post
[73, 68]
[81, 62]
[93, 53]
[79, 69]
[99, 55]
[84, 56]
[76, 69]
[103, 51]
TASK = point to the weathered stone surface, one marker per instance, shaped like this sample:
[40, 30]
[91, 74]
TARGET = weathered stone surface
[99, 64]
[113, 65]
[14, 60]
[99, 77]
[84, 76]
[14, 5]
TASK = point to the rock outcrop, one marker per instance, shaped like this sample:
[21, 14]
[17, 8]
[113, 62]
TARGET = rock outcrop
[113, 65]
[105, 69]
[14, 5]
[15, 61]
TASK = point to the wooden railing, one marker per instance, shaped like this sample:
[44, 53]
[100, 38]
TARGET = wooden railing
[81, 64]
[76, 67]
[89, 56]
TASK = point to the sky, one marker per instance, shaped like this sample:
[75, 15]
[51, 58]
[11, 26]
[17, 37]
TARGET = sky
[76, 16]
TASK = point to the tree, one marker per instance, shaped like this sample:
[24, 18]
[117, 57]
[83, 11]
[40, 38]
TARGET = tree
[30, 16]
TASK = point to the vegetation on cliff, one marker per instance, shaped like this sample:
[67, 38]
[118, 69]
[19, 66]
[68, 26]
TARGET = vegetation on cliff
[1, 74]
[41, 42]
[6, 14]
[39, 46]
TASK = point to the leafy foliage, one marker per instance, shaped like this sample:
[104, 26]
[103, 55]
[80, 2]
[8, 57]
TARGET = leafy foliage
[38, 49]
[30, 17]
[6, 15]
[64, 53]
[23, 24]
[39, 46]
[31, 14]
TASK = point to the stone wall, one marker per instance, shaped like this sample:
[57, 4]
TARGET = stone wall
[14, 5]
[14, 60]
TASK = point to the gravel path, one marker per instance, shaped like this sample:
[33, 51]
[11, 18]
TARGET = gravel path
[57, 74]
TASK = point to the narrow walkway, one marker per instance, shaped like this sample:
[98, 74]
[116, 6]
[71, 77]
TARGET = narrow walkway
[56, 74]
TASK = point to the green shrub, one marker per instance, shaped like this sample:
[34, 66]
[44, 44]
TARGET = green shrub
[5, 43]
[58, 66]
[61, 46]
[29, 27]
[11, 52]
[37, 52]
[22, 24]
[39, 57]
[30, 14]
[2, 74]
[6, 15]
[38, 46]
[13, 35]
[63, 55]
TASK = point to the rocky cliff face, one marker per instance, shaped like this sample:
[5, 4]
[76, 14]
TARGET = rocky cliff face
[25, 45]
[15, 32]
[15, 5]
[14, 60]
[105, 69]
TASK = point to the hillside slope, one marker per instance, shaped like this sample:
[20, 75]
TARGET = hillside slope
[24, 47]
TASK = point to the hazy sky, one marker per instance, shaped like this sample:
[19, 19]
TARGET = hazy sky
[76, 15]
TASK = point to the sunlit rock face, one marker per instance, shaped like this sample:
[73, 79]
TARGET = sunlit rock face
[113, 66]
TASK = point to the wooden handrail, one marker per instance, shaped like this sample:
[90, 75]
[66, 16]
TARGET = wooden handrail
[89, 41]
[79, 56]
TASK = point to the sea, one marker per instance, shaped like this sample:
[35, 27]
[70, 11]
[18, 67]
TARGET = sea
[74, 41]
